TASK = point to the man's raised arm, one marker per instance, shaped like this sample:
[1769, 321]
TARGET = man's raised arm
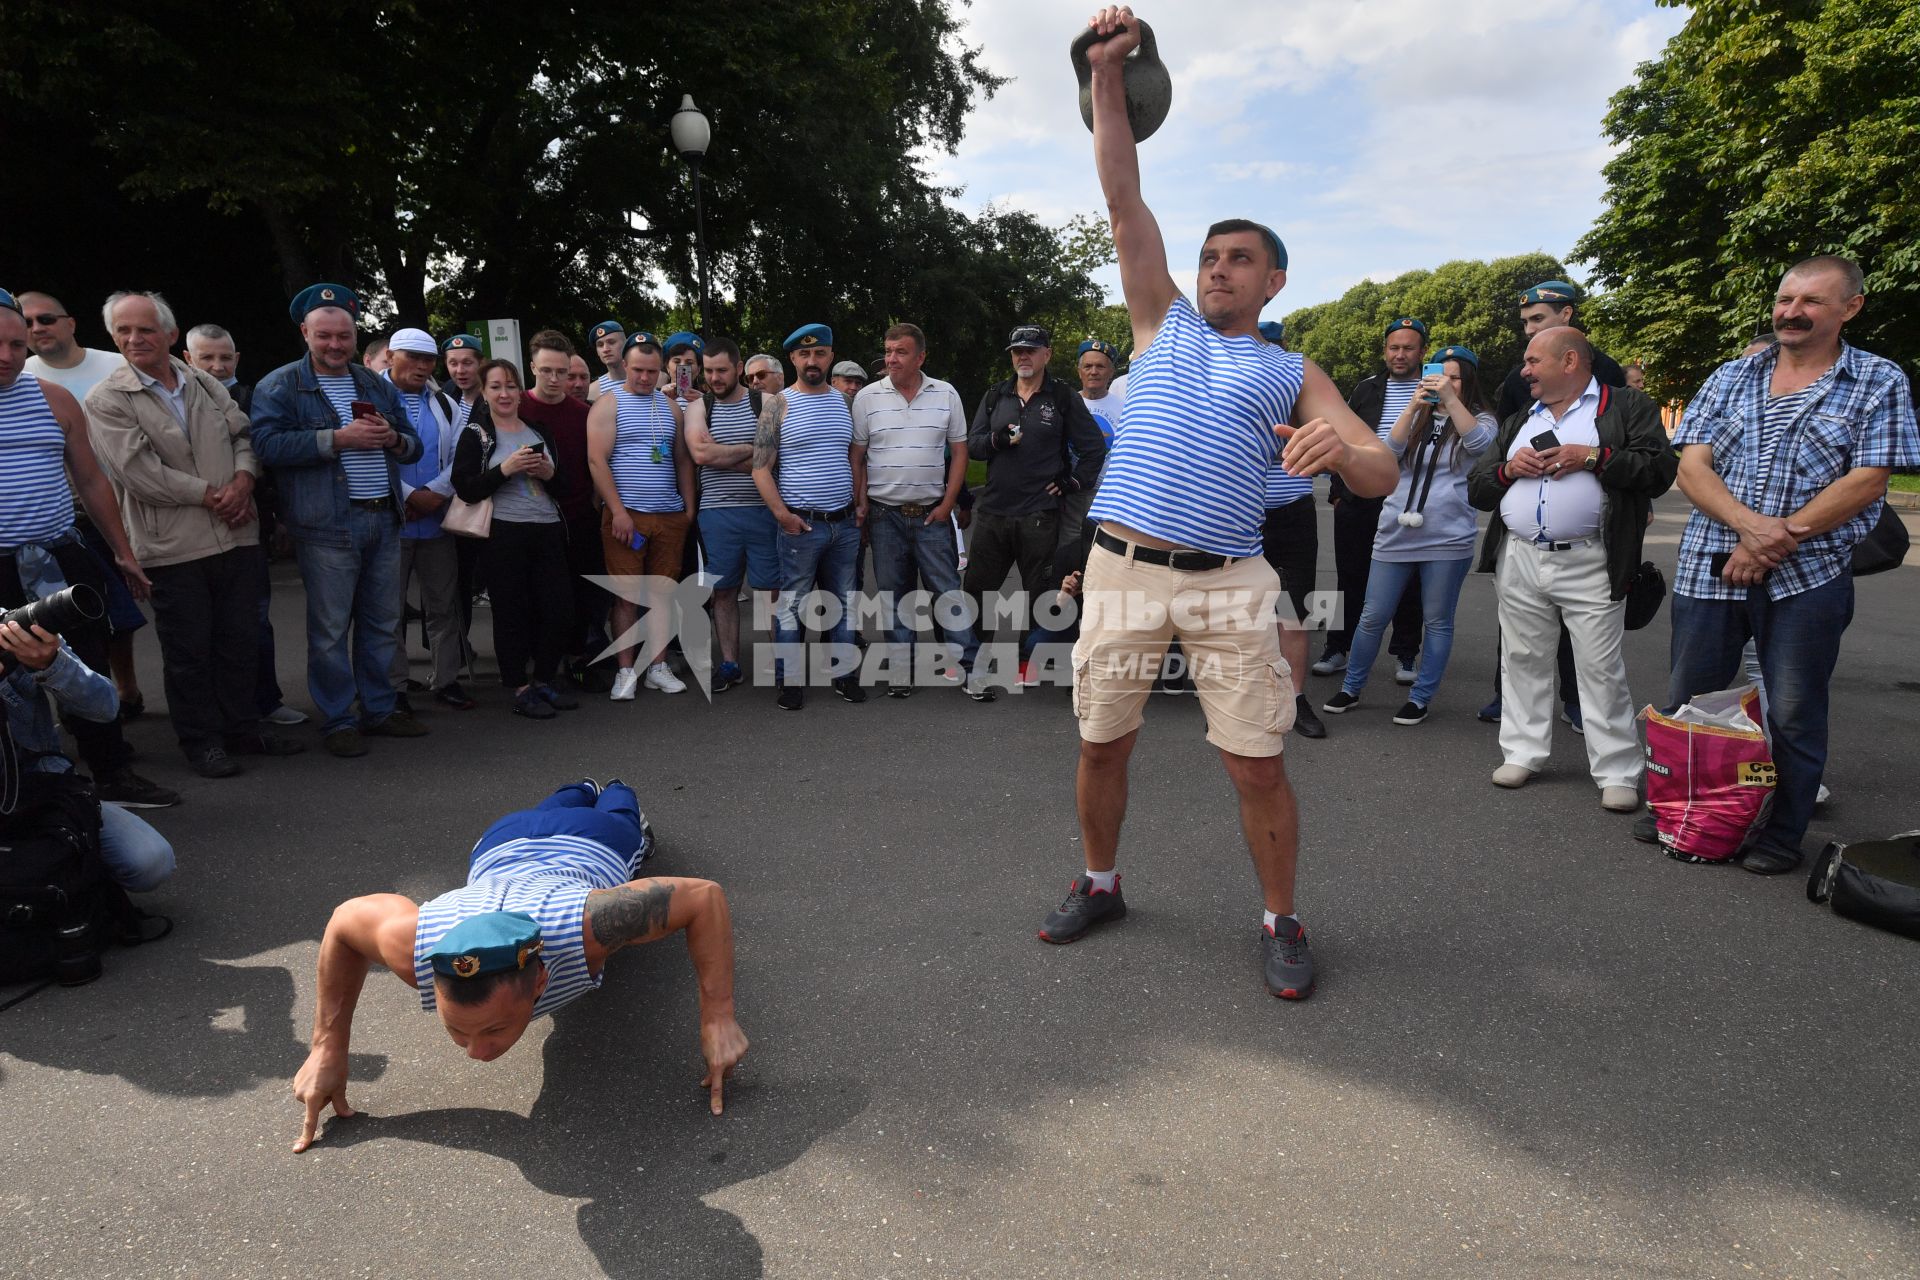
[376, 929]
[650, 909]
[1144, 278]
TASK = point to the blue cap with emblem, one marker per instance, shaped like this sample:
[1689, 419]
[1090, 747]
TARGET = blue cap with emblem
[1273, 330]
[1099, 345]
[1456, 352]
[606, 328]
[315, 296]
[1407, 322]
[462, 342]
[1556, 293]
[8, 301]
[492, 942]
[640, 338]
[809, 335]
[684, 341]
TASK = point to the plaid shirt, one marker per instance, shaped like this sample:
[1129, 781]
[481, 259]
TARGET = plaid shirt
[1856, 414]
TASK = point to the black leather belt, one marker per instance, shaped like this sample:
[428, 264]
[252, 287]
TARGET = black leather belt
[1184, 561]
[372, 504]
[911, 510]
[828, 517]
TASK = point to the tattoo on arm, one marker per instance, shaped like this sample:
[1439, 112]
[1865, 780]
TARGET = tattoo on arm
[766, 443]
[624, 915]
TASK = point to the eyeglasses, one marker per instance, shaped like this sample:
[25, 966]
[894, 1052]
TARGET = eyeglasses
[46, 318]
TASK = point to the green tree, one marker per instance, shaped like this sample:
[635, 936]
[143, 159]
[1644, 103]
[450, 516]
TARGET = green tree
[1767, 131]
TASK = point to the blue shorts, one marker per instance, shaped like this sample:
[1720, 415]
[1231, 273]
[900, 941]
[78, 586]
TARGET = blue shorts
[123, 611]
[741, 540]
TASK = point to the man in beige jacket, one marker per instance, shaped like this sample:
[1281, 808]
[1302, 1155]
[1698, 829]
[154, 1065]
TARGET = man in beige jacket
[175, 446]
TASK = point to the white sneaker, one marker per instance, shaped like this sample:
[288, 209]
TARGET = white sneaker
[1822, 796]
[1512, 775]
[625, 681]
[284, 714]
[660, 676]
[1406, 674]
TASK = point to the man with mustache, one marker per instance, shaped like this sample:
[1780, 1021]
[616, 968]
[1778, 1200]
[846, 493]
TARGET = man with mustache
[1785, 455]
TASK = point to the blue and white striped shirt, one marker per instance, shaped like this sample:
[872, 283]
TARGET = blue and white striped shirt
[36, 503]
[545, 877]
[1397, 395]
[642, 461]
[366, 468]
[1282, 488]
[719, 487]
[815, 469]
[608, 384]
[1190, 461]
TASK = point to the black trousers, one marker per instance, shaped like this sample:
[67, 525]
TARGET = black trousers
[591, 603]
[207, 614]
[1001, 542]
[526, 572]
[1355, 520]
[1290, 541]
[101, 747]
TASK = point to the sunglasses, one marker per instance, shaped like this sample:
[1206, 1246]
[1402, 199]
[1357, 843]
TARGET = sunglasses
[46, 318]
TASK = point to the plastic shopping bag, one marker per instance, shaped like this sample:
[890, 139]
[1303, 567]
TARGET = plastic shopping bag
[1710, 775]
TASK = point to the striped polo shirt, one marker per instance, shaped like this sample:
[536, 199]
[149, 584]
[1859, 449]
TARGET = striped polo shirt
[545, 877]
[719, 487]
[815, 471]
[907, 440]
[642, 461]
[36, 503]
[366, 468]
[1192, 468]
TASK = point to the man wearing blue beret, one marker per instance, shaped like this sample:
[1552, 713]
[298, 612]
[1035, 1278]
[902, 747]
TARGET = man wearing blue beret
[551, 892]
[609, 339]
[336, 435]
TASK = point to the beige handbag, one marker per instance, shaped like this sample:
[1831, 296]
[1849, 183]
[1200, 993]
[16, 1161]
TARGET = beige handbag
[469, 519]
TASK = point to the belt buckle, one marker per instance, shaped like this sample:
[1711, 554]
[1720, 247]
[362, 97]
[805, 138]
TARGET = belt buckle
[911, 509]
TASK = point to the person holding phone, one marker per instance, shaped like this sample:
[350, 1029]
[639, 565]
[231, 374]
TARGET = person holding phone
[505, 458]
[1426, 528]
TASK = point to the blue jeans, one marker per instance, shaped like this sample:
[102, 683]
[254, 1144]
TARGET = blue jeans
[357, 588]
[1799, 642]
[139, 857]
[900, 545]
[1440, 582]
[611, 818]
[824, 557]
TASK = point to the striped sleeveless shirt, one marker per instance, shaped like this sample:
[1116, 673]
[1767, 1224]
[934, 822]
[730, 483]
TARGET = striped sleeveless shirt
[730, 424]
[36, 503]
[815, 471]
[642, 461]
[545, 877]
[608, 384]
[1190, 461]
[366, 468]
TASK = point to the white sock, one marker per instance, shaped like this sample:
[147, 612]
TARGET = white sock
[1273, 920]
[1103, 881]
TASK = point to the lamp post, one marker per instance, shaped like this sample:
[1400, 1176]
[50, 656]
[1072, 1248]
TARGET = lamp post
[691, 133]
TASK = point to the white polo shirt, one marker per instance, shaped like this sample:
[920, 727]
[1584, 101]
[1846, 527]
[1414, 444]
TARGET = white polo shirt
[907, 440]
[1543, 509]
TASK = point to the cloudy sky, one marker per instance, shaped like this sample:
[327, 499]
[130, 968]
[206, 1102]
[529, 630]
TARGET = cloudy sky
[1376, 136]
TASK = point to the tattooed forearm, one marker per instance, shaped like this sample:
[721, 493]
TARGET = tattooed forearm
[766, 443]
[627, 914]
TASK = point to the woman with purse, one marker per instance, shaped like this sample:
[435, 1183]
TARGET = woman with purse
[506, 464]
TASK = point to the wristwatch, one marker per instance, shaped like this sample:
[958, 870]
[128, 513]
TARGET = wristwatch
[1593, 461]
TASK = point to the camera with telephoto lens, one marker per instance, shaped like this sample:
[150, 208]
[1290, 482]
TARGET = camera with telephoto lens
[59, 613]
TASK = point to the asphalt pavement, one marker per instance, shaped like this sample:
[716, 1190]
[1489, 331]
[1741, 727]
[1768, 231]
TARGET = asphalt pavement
[1538, 1050]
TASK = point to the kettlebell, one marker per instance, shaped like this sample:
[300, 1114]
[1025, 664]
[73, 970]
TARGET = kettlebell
[1149, 83]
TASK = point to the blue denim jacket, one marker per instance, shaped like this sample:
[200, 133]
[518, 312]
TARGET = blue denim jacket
[77, 688]
[293, 426]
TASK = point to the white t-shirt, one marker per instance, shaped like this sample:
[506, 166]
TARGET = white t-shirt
[92, 370]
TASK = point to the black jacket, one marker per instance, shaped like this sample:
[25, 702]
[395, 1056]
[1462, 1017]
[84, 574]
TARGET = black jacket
[1018, 474]
[1514, 395]
[473, 478]
[1637, 465]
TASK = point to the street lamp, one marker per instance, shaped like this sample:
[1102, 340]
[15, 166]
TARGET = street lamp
[691, 133]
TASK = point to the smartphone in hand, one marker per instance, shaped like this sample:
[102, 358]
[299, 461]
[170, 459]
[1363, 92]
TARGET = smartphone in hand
[1432, 371]
[364, 409]
[1544, 441]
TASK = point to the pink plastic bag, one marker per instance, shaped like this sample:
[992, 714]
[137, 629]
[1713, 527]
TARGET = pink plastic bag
[1710, 774]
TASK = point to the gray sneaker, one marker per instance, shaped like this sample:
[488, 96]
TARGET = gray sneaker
[1289, 964]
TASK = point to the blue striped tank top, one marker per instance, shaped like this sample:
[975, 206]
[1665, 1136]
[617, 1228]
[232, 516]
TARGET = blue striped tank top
[545, 877]
[366, 468]
[815, 471]
[730, 424]
[608, 384]
[1190, 461]
[642, 461]
[36, 503]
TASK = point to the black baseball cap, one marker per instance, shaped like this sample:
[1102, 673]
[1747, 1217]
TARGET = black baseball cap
[1030, 335]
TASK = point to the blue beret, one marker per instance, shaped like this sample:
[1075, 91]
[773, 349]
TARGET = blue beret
[809, 335]
[1096, 344]
[462, 342]
[639, 338]
[1273, 330]
[492, 942]
[1407, 322]
[1465, 354]
[604, 328]
[1279, 248]
[7, 300]
[1557, 292]
[691, 341]
[315, 296]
